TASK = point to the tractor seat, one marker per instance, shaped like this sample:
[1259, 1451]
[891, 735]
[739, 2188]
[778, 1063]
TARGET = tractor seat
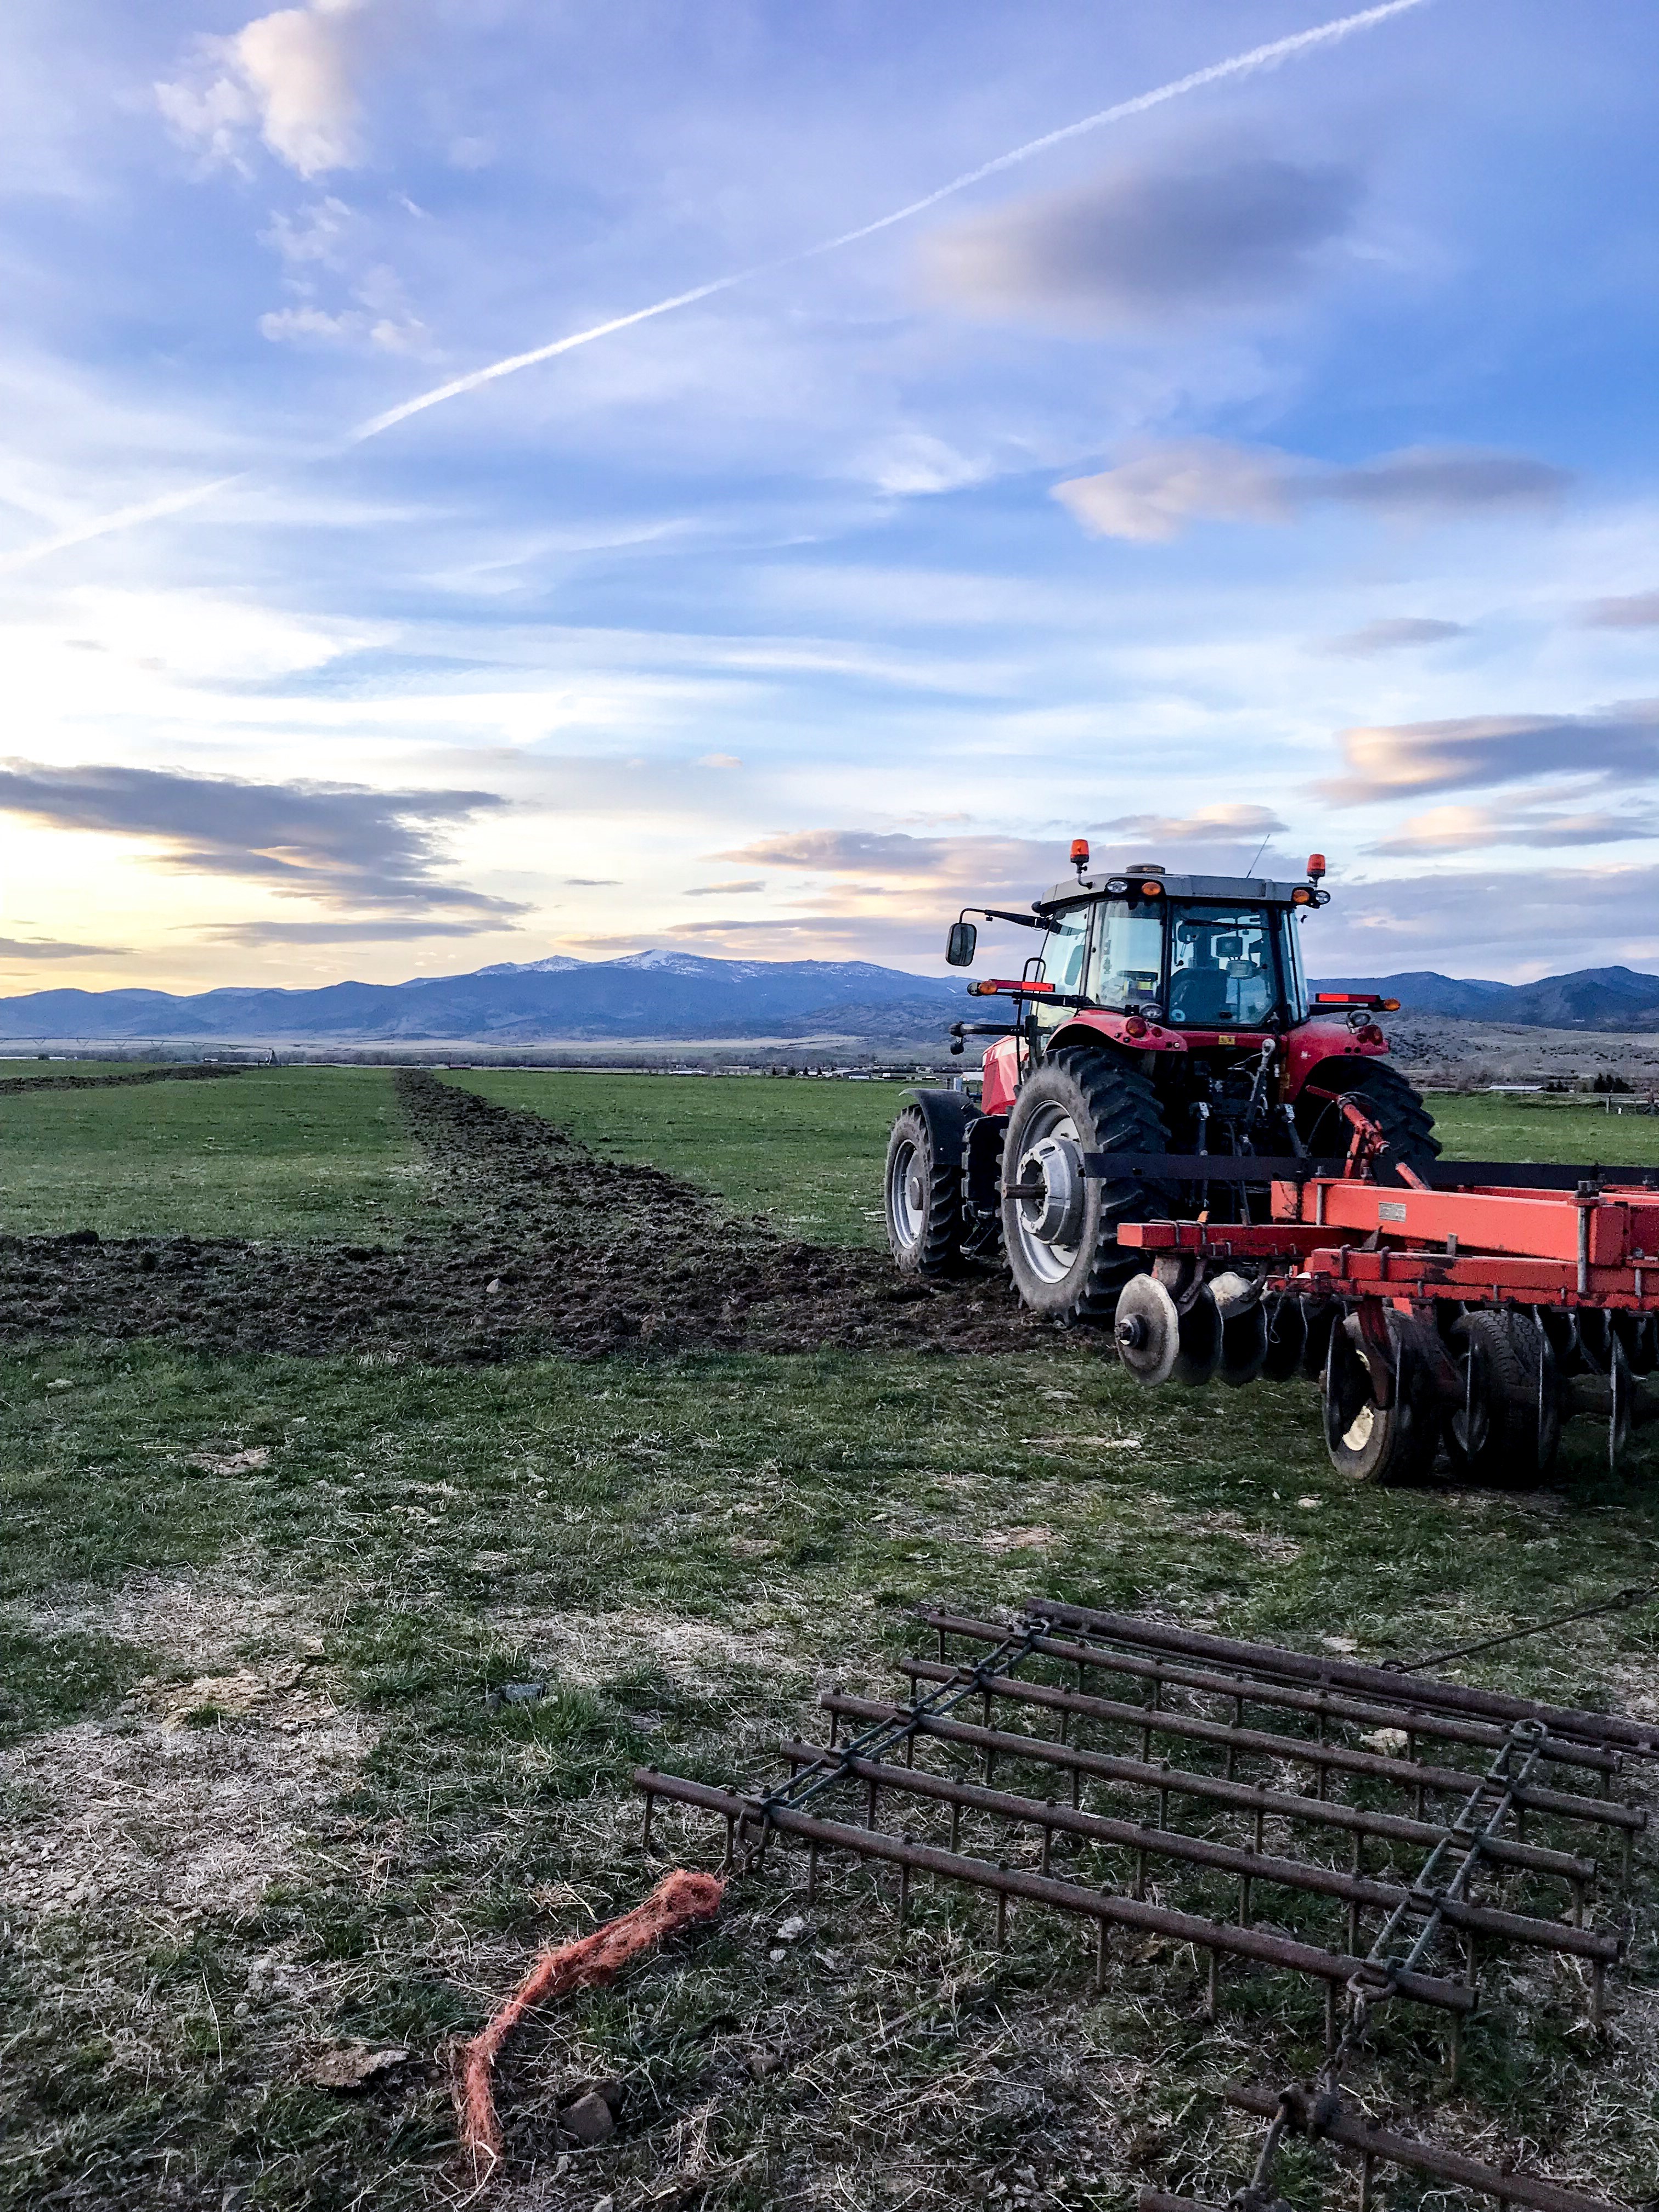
[1199, 995]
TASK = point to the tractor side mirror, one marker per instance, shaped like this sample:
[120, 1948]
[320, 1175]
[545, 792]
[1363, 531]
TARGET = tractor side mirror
[959, 945]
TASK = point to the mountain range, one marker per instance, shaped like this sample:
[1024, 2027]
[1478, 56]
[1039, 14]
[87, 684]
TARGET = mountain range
[664, 994]
[686, 996]
[1588, 999]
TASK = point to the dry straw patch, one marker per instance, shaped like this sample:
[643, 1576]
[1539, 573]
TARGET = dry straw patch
[192, 1798]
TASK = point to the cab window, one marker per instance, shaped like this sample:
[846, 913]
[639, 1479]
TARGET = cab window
[1222, 971]
[1128, 965]
[1295, 980]
[1065, 957]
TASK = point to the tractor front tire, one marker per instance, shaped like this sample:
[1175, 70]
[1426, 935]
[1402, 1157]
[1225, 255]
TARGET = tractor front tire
[924, 1201]
[1406, 1124]
[1059, 1229]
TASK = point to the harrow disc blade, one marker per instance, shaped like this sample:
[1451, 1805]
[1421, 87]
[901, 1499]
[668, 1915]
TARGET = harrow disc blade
[1243, 1346]
[1147, 1329]
[1508, 1424]
[1595, 1338]
[1367, 1440]
[1287, 1339]
[1319, 1317]
[1621, 1394]
[1199, 1355]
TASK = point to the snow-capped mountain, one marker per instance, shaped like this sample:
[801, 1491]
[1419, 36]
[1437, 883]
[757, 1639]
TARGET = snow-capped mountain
[664, 994]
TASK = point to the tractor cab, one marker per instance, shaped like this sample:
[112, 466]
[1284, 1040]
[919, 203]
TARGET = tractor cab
[1203, 952]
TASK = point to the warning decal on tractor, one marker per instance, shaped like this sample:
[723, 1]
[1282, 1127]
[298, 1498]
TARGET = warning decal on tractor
[1391, 1209]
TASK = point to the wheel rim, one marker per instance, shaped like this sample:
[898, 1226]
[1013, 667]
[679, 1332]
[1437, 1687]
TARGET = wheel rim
[1357, 1434]
[906, 1193]
[1047, 1226]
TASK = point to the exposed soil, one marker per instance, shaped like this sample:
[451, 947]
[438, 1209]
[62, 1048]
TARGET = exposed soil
[543, 1247]
[12, 1084]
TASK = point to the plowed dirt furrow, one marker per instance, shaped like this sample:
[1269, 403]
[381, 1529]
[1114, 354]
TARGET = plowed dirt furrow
[538, 1246]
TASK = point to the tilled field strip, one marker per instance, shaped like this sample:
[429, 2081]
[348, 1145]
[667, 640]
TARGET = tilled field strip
[541, 1247]
[120, 1078]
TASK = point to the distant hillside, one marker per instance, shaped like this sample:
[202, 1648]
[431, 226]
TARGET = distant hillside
[645, 994]
[1588, 999]
[686, 996]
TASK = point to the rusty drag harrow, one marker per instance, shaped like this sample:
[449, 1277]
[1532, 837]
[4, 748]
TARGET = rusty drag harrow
[1325, 2114]
[1472, 1822]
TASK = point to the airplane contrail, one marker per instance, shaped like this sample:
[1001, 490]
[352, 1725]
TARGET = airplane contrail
[1244, 64]
[1259, 57]
[124, 518]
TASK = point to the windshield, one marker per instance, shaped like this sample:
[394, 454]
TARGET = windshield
[1127, 962]
[1222, 970]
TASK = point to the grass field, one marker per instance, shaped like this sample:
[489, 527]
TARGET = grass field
[12, 1071]
[279, 1153]
[258, 1804]
[808, 1153]
[1578, 1132]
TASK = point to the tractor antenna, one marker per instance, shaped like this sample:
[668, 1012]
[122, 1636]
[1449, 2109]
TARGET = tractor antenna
[1256, 855]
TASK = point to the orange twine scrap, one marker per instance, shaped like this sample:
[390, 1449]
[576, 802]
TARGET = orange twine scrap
[678, 1899]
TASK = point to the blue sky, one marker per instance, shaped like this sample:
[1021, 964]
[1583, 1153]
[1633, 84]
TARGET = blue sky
[1277, 463]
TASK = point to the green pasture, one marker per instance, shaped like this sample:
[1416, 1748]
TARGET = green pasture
[277, 1152]
[1578, 1130]
[806, 1152]
[12, 1070]
[212, 1567]
[319, 1151]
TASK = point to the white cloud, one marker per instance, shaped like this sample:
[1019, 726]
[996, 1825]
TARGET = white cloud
[383, 319]
[317, 234]
[913, 462]
[1546, 823]
[1163, 485]
[1226, 821]
[210, 117]
[1391, 634]
[1627, 610]
[1159, 488]
[290, 74]
[301, 325]
[1468, 752]
[295, 64]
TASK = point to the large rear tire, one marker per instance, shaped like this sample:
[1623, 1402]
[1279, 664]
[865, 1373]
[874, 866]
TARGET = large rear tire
[923, 1199]
[1060, 1239]
[1406, 1122]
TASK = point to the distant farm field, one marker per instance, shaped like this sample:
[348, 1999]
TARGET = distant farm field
[271, 1153]
[1578, 1130]
[515, 1413]
[807, 1152]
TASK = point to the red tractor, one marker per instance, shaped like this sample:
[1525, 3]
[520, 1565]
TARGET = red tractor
[1161, 1059]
